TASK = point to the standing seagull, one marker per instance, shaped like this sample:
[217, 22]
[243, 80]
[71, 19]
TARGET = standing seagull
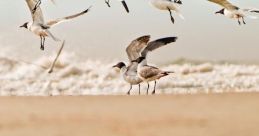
[149, 73]
[39, 27]
[169, 5]
[234, 12]
[140, 47]
[129, 73]
[123, 3]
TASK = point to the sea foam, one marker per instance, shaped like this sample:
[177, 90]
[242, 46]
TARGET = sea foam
[95, 77]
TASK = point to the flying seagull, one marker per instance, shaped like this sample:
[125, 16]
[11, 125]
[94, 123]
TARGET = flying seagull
[168, 5]
[41, 28]
[234, 12]
[129, 72]
[123, 3]
[149, 73]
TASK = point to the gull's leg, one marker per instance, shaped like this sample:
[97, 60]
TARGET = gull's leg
[108, 3]
[128, 93]
[243, 20]
[171, 16]
[41, 43]
[147, 88]
[36, 6]
[154, 91]
[239, 21]
[139, 89]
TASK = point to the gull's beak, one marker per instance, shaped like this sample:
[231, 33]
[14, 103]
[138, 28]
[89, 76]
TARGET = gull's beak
[24, 25]
[114, 66]
[220, 12]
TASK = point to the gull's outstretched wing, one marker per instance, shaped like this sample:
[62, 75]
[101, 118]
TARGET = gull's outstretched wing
[60, 20]
[136, 46]
[37, 16]
[125, 5]
[157, 44]
[225, 4]
[252, 10]
[55, 60]
[37, 5]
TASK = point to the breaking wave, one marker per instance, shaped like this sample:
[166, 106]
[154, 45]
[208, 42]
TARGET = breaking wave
[94, 77]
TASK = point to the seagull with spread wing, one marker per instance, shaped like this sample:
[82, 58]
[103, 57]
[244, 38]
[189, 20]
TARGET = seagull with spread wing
[168, 5]
[149, 73]
[129, 72]
[123, 3]
[41, 28]
[234, 12]
[139, 48]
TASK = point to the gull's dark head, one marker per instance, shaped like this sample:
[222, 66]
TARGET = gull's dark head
[25, 25]
[140, 59]
[220, 12]
[119, 65]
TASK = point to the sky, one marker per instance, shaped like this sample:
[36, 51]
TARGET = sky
[104, 32]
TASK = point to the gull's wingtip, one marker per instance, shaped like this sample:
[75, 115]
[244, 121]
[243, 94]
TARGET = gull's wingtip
[88, 9]
[125, 6]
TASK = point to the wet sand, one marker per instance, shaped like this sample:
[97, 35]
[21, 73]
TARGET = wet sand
[161, 115]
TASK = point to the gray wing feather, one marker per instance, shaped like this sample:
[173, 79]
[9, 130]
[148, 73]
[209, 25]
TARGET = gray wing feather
[60, 20]
[37, 17]
[225, 4]
[157, 44]
[136, 46]
[149, 72]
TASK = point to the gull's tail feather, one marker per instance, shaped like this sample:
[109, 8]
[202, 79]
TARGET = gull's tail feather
[180, 15]
[52, 36]
[252, 10]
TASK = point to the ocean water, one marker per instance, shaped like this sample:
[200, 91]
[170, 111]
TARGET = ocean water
[72, 76]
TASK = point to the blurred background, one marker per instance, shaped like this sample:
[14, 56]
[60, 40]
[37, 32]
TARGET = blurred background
[105, 32]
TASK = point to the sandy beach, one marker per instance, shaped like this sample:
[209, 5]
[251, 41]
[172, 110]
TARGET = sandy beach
[161, 115]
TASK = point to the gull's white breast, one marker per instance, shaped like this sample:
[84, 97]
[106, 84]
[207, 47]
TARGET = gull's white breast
[164, 4]
[233, 14]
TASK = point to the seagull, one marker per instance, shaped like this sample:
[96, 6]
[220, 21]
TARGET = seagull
[123, 3]
[169, 5]
[38, 4]
[129, 72]
[149, 73]
[234, 12]
[140, 47]
[39, 27]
